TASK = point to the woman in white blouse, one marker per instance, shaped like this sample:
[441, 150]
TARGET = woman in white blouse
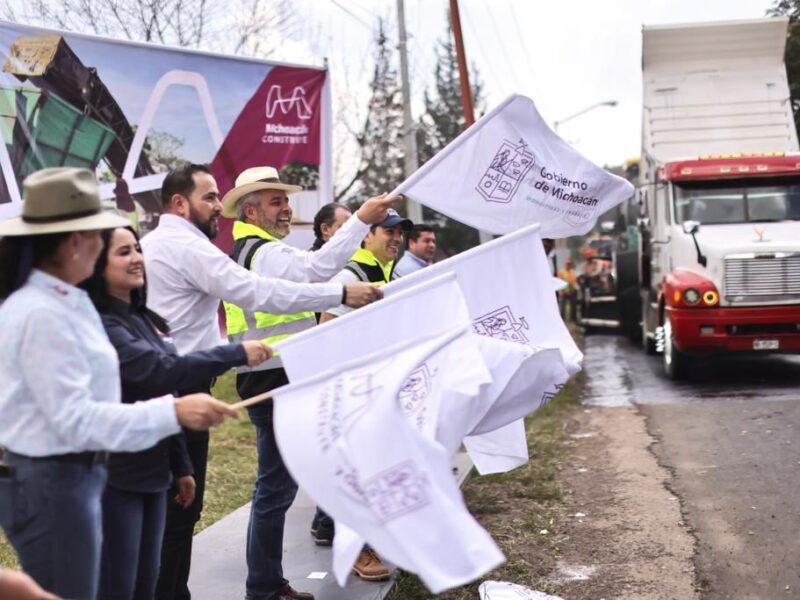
[60, 409]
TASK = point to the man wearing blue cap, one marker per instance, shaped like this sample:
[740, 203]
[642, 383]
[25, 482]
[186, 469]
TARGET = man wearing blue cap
[374, 261]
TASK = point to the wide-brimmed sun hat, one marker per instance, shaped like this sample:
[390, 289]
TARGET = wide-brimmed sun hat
[60, 200]
[252, 180]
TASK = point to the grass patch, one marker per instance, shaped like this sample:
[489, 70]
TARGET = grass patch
[519, 508]
[8, 558]
[232, 460]
[232, 465]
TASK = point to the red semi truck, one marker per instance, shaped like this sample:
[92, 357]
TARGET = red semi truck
[719, 194]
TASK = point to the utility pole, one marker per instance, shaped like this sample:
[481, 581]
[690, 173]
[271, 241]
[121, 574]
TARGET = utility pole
[409, 131]
[463, 77]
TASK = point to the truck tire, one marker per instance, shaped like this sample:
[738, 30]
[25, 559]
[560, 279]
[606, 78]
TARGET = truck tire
[648, 341]
[676, 363]
[629, 303]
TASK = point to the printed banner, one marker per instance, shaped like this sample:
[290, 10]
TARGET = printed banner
[510, 170]
[131, 112]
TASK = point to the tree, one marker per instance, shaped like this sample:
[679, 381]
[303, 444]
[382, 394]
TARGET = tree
[163, 151]
[442, 121]
[791, 9]
[241, 26]
[381, 139]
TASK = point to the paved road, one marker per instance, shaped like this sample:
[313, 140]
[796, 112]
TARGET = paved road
[729, 435]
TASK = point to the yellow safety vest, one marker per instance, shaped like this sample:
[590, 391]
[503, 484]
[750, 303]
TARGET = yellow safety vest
[262, 326]
[366, 267]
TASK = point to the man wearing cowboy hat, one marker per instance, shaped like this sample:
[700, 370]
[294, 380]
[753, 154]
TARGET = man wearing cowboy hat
[260, 204]
[187, 277]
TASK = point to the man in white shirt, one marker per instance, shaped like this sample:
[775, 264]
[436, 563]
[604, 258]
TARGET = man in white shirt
[420, 250]
[187, 277]
[260, 203]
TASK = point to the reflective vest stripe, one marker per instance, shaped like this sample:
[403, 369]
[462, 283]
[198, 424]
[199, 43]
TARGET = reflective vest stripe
[246, 325]
[275, 362]
[279, 329]
[366, 267]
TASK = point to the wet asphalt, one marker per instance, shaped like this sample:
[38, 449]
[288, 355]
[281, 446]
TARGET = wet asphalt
[730, 436]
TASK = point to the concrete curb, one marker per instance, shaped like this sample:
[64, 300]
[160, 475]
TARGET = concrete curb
[218, 559]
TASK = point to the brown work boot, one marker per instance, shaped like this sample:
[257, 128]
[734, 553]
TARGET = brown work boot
[369, 567]
[289, 593]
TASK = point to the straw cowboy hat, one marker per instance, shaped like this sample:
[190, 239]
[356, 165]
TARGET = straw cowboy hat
[60, 200]
[253, 180]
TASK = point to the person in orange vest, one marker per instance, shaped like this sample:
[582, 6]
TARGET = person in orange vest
[569, 295]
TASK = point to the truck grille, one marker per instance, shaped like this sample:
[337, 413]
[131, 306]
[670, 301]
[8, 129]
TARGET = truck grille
[772, 277]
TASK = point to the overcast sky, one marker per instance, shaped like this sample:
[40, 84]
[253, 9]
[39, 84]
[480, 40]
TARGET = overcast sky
[566, 55]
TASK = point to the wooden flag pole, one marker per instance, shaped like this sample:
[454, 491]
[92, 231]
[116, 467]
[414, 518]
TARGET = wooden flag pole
[253, 400]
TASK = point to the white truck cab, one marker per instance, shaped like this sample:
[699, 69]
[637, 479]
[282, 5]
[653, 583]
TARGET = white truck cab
[720, 192]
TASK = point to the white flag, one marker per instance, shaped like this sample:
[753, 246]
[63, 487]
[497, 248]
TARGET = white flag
[511, 302]
[509, 170]
[499, 451]
[345, 439]
[508, 290]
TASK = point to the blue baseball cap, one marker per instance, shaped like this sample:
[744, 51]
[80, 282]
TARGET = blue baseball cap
[394, 218]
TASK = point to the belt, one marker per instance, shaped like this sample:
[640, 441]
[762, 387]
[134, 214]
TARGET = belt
[80, 458]
[76, 458]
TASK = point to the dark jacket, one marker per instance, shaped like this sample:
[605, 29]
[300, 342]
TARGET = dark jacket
[151, 367]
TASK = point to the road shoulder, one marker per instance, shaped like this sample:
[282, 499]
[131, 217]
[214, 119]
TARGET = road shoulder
[622, 534]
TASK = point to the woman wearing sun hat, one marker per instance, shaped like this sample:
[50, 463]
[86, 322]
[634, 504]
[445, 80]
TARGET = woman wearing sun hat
[60, 409]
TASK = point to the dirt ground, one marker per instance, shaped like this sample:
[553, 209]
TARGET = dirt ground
[622, 534]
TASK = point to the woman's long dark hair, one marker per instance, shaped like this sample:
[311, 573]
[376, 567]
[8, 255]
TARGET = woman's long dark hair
[20, 254]
[97, 287]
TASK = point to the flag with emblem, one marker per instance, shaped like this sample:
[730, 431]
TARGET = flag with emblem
[354, 437]
[510, 300]
[509, 170]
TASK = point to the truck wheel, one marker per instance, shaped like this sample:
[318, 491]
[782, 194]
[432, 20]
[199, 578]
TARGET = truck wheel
[630, 313]
[675, 362]
[648, 343]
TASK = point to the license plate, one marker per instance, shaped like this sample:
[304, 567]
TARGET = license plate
[766, 344]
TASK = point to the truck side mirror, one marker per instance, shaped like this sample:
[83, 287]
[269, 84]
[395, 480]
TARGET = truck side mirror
[691, 227]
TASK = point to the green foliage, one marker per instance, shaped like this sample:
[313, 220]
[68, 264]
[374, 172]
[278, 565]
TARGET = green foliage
[302, 174]
[441, 123]
[232, 460]
[8, 558]
[791, 9]
[164, 151]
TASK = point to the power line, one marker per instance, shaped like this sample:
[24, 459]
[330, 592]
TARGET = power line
[522, 43]
[365, 10]
[352, 14]
[477, 36]
[502, 44]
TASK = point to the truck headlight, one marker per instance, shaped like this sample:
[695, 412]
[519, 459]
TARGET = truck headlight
[710, 298]
[691, 296]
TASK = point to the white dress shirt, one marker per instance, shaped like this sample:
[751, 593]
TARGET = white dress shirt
[277, 259]
[60, 374]
[187, 276]
[344, 277]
